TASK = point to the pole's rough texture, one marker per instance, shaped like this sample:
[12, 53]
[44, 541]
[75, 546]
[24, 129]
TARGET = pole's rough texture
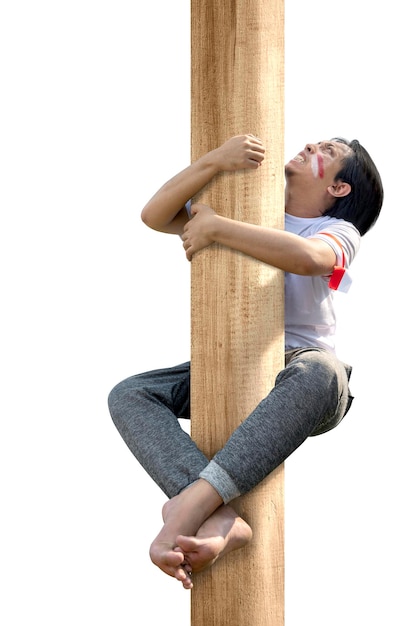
[237, 303]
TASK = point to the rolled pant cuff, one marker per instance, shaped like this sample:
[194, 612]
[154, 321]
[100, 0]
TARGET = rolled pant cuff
[221, 481]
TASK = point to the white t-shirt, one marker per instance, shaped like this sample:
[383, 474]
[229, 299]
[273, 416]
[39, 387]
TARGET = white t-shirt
[309, 308]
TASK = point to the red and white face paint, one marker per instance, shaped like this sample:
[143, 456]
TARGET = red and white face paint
[317, 166]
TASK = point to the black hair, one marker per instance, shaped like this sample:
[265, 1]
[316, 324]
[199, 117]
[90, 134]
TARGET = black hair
[363, 204]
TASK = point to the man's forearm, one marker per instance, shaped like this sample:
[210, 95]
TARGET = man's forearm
[275, 247]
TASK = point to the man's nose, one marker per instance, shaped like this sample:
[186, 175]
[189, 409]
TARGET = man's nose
[310, 148]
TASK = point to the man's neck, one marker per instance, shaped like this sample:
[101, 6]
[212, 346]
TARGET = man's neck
[303, 205]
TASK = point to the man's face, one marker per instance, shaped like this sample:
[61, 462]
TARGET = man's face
[318, 163]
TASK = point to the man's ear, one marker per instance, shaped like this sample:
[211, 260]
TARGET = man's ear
[339, 189]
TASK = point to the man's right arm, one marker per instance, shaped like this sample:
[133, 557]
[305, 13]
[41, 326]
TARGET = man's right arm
[166, 211]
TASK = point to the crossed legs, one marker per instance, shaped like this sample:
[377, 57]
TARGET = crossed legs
[200, 525]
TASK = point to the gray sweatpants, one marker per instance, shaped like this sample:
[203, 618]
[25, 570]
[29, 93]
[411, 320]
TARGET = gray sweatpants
[311, 395]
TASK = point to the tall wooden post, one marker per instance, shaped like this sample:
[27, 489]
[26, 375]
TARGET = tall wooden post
[237, 344]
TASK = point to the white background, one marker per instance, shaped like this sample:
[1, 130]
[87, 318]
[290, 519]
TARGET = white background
[94, 118]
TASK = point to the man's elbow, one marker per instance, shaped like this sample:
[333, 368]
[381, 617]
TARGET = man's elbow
[173, 226]
[148, 218]
[145, 217]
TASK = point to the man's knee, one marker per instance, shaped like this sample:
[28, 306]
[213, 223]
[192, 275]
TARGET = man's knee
[117, 398]
[327, 379]
[321, 366]
[113, 398]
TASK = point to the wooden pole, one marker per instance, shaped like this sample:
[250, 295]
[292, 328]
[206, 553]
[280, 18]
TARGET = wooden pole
[237, 328]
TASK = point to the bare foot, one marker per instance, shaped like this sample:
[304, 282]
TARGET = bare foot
[221, 533]
[171, 562]
[183, 515]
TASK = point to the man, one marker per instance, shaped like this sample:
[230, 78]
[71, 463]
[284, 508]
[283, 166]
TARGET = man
[333, 197]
